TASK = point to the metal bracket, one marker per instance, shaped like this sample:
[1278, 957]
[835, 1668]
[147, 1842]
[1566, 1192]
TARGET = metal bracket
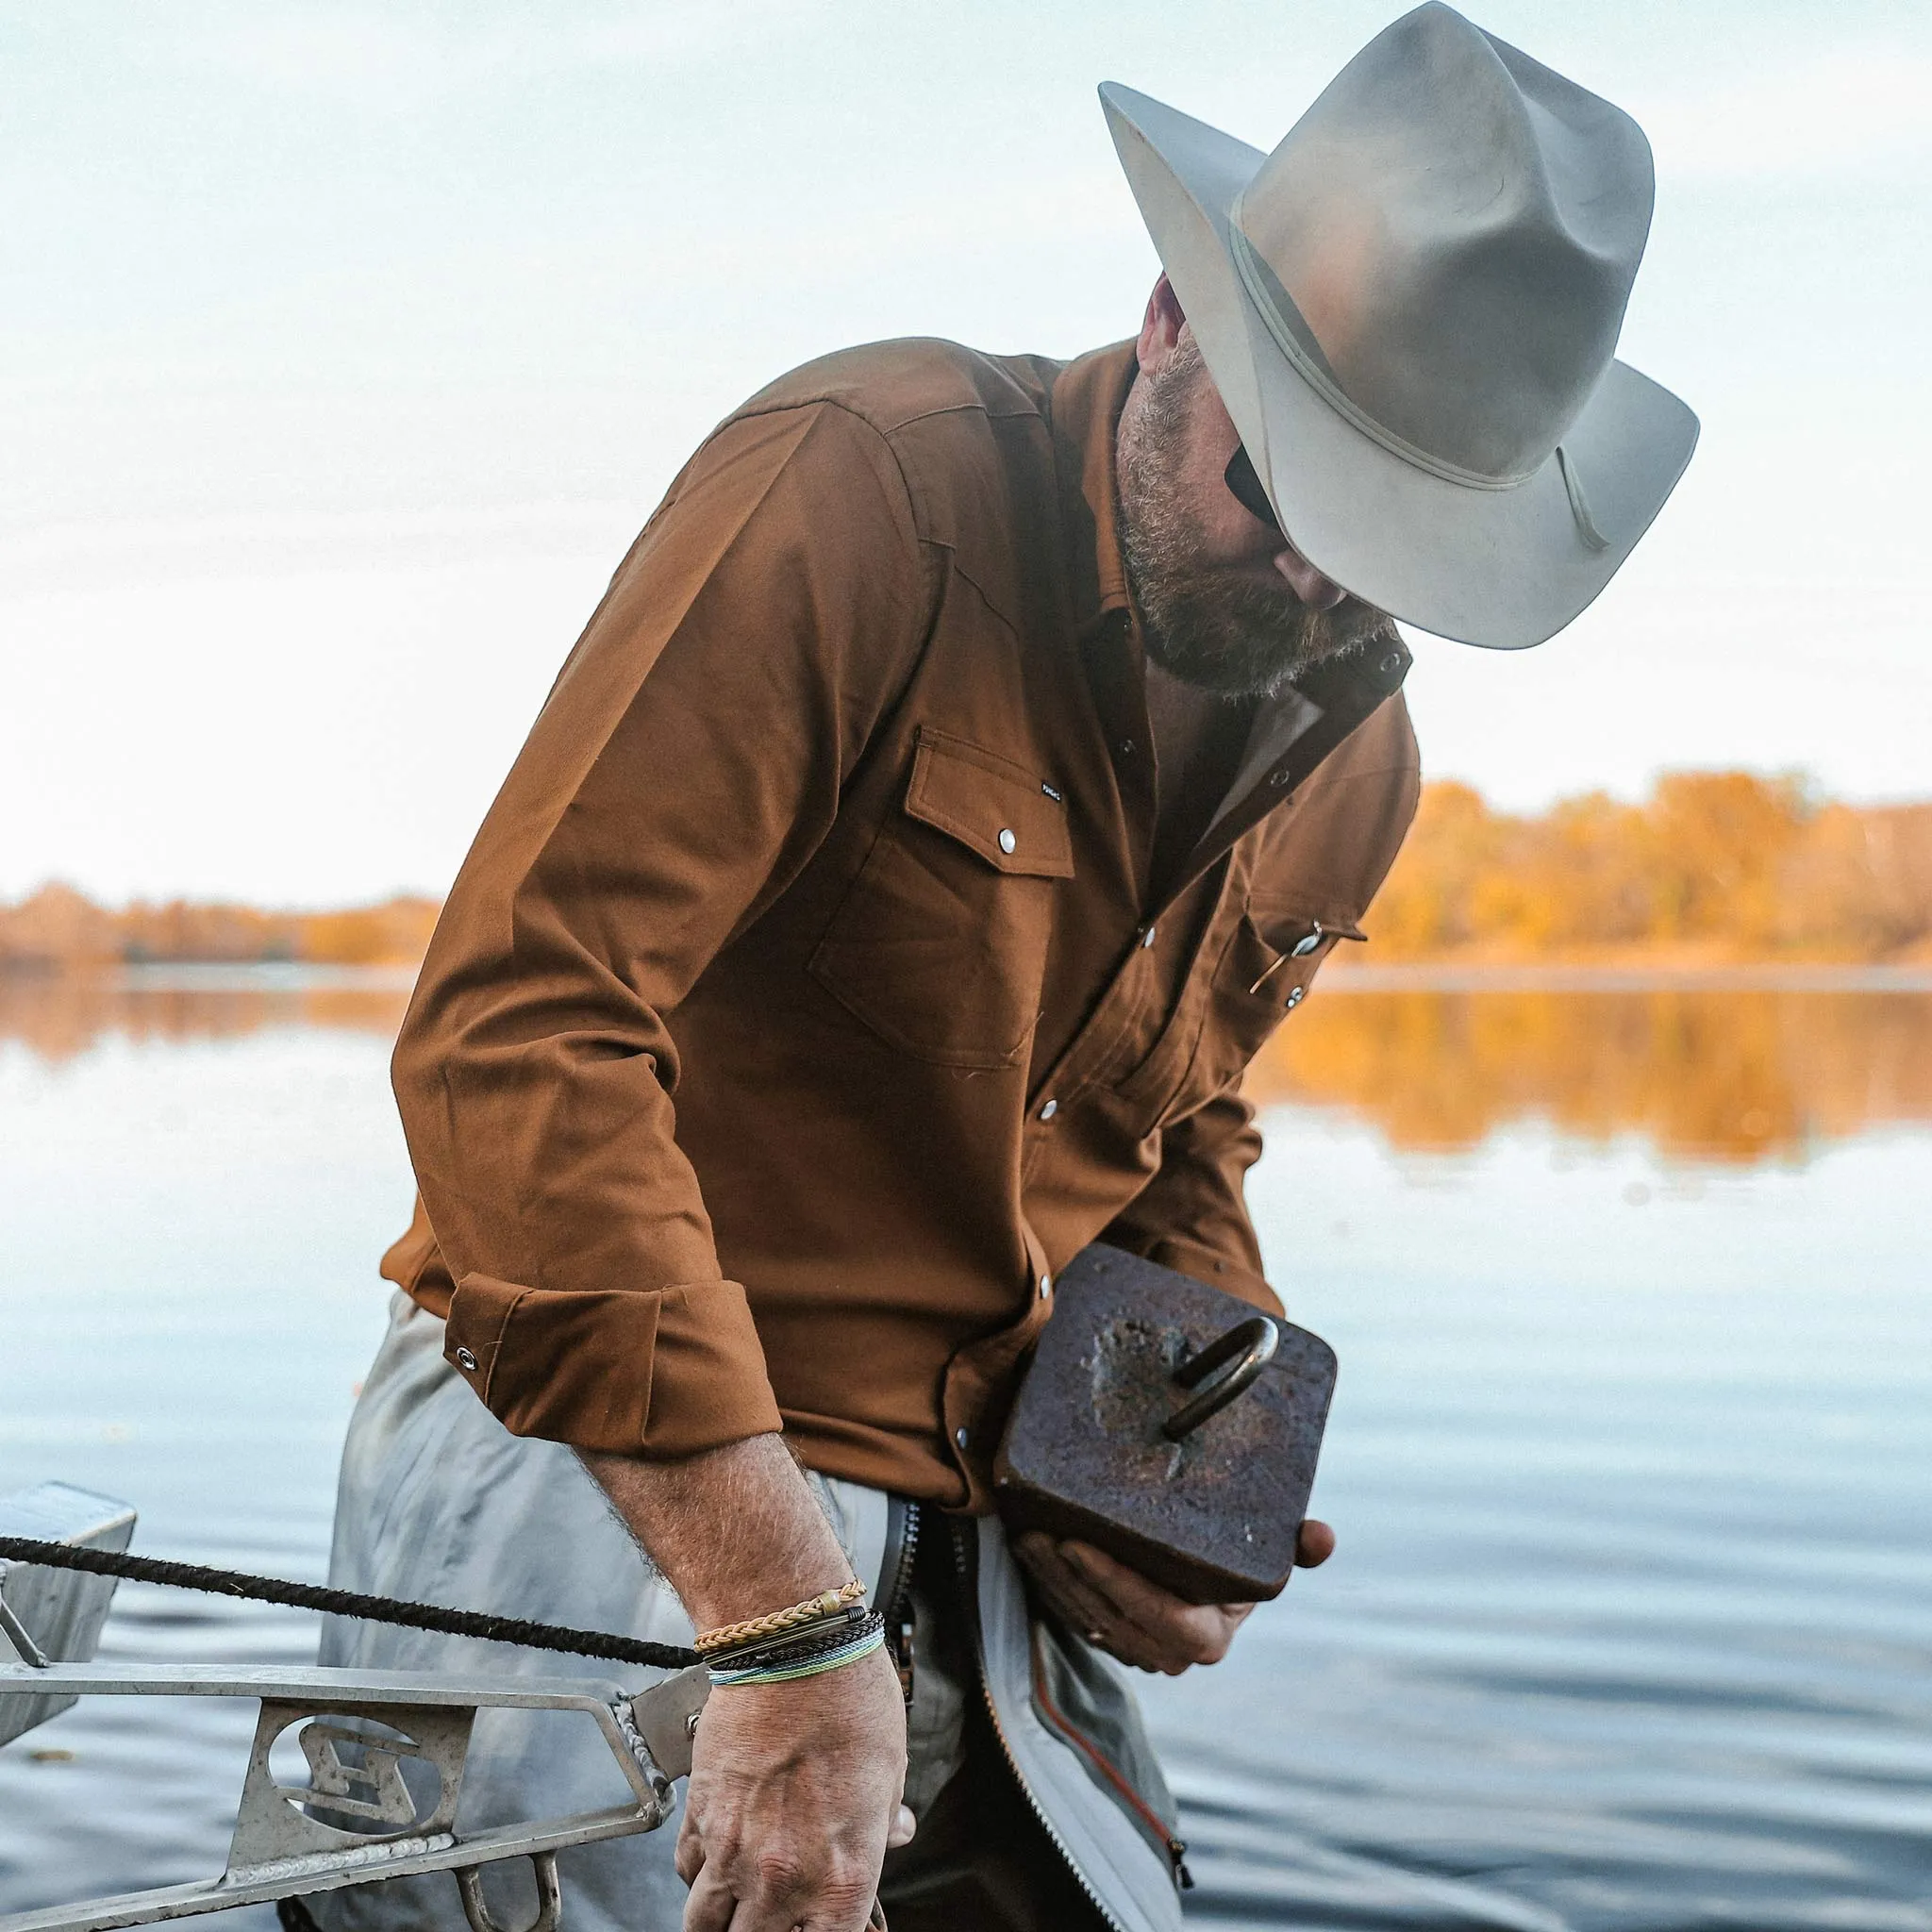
[549, 1896]
[385, 1752]
[17, 1634]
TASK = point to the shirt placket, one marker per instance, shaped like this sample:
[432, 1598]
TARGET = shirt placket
[1127, 1020]
[1147, 978]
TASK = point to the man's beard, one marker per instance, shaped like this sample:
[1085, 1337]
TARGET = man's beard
[1209, 625]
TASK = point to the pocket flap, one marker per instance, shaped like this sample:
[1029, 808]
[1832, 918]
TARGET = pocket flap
[991, 806]
[1276, 948]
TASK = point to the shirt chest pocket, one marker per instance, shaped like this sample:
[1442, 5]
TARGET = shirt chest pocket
[940, 947]
[1259, 976]
[1262, 977]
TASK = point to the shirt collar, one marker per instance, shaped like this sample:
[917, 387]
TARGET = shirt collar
[1087, 396]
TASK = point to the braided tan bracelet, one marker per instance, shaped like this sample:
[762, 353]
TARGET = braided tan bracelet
[813, 1610]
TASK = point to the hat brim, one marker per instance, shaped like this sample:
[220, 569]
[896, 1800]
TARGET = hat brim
[1505, 569]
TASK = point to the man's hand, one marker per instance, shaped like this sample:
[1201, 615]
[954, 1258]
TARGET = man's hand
[792, 1786]
[1138, 1621]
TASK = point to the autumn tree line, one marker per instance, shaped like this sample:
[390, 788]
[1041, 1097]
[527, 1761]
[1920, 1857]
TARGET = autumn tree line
[58, 927]
[1713, 866]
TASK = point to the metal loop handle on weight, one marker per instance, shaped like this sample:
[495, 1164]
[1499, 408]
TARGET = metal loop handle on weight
[549, 1896]
[1250, 1346]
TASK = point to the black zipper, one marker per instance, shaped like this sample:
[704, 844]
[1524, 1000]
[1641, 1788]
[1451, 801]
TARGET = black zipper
[893, 1600]
[896, 1602]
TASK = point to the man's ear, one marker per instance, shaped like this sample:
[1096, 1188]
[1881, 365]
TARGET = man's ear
[1160, 328]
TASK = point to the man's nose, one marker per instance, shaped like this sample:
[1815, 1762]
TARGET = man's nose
[1317, 591]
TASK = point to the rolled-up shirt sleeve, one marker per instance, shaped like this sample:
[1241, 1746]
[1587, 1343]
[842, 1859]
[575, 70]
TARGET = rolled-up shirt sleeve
[687, 763]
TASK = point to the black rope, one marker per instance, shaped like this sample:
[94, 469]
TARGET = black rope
[345, 1603]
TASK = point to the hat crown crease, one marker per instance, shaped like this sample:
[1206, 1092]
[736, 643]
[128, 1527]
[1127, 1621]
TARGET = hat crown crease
[1444, 245]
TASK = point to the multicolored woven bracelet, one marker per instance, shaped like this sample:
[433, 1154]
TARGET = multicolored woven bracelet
[871, 1636]
[794, 1648]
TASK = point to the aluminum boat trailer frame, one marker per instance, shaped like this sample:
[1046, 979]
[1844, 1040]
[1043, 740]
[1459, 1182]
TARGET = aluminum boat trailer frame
[281, 1848]
[285, 1845]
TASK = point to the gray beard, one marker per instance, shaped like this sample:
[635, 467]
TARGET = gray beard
[1211, 628]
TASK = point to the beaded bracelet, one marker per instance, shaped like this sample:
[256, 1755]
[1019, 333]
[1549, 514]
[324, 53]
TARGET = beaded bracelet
[871, 1637]
[814, 1610]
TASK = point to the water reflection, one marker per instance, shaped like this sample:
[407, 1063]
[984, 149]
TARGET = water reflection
[60, 1016]
[1631, 1616]
[1723, 1073]
[1734, 1074]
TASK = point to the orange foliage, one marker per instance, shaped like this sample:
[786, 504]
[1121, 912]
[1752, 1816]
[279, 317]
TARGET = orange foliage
[57, 927]
[1716, 865]
[392, 934]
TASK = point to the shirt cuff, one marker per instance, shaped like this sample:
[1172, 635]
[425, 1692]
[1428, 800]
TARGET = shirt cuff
[659, 1372]
[1218, 1270]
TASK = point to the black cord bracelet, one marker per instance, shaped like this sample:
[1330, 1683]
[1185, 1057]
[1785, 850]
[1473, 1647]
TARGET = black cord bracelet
[798, 1649]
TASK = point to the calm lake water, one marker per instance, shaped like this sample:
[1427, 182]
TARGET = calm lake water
[1631, 1625]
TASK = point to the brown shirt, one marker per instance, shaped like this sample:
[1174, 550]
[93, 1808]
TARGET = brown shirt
[802, 1005]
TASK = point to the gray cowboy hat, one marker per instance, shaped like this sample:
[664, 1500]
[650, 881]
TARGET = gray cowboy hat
[1409, 309]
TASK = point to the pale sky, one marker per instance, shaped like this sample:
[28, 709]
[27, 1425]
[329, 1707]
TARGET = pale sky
[343, 348]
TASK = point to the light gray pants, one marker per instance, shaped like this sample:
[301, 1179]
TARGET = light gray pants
[438, 1503]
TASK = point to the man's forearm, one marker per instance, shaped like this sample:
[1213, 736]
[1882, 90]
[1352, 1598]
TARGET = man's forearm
[737, 1530]
[793, 1785]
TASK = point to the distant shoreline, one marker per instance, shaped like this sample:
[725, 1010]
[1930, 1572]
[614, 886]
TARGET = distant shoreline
[208, 976]
[1406, 976]
[1771, 975]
